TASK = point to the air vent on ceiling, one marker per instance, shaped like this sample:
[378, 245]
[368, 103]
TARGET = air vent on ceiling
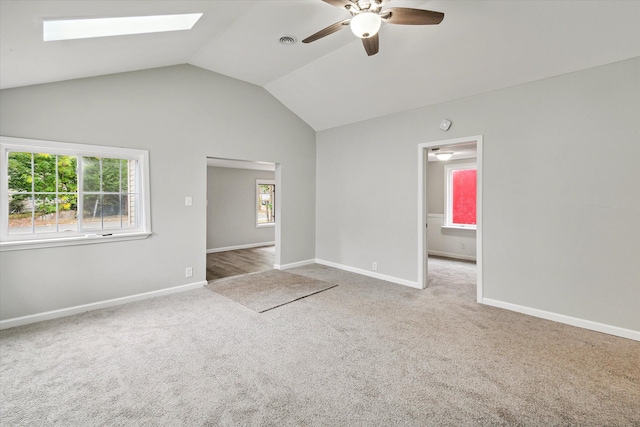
[287, 40]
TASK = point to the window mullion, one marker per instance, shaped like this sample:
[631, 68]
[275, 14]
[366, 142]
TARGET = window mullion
[80, 193]
[101, 197]
[33, 194]
[120, 190]
[57, 197]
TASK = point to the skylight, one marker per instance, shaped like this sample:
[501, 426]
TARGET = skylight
[69, 29]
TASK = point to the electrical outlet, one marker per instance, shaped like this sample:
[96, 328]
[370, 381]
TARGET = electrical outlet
[374, 267]
[188, 201]
[463, 245]
[189, 272]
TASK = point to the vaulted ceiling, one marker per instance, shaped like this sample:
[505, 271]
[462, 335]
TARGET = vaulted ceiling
[480, 46]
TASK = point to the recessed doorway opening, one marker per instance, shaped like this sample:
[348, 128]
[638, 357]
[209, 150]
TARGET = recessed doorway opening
[448, 225]
[243, 224]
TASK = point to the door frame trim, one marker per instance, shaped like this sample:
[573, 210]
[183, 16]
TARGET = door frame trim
[423, 151]
[260, 166]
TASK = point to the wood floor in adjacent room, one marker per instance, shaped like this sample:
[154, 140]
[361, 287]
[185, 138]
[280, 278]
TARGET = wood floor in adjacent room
[241, 261]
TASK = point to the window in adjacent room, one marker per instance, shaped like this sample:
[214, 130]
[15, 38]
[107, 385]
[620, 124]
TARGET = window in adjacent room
[460, 193]
[58, 193]
[265, 203]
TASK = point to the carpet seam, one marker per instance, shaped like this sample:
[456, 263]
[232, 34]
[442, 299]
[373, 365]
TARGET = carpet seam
[297, 299]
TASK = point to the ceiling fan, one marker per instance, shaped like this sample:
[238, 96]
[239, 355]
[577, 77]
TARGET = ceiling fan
[367, 16]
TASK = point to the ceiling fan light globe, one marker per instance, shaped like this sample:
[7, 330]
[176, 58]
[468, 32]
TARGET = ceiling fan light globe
[365, 24]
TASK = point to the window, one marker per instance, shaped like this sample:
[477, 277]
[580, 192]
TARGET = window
[460, 193]
[265, 203]
[58, 194]
[70, 29]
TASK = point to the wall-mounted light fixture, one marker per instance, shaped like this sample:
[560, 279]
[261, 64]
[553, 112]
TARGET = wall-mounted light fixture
[442, 155]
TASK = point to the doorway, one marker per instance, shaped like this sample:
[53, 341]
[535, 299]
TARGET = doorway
[424, 151]
[243, 221]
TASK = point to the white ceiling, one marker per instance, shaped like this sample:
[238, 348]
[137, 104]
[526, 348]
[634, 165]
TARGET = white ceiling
[480, 46]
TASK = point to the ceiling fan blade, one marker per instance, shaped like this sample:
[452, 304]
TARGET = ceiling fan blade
[371, 44]
[407, 16]
[326, 31]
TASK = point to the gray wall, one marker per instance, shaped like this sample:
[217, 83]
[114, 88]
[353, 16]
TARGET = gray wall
[182, 114]
[560, 193]
[231, 208]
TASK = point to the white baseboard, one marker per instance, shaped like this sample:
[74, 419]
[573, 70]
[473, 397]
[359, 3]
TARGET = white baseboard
[561, 318]
[294, 264]
[64, 312]
[235, 248]
[452, 255]
[368, 273]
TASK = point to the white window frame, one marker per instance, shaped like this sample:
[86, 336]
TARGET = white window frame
[448, 190]
[34, 241]
[258, 183]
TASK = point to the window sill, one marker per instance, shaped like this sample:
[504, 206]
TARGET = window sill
[71, 241]
[458, 227]
[273, 224]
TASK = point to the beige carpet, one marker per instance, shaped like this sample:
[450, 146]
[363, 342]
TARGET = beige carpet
[268, 290]
[366, 353]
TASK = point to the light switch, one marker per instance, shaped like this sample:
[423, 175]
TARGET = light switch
[188, 201]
